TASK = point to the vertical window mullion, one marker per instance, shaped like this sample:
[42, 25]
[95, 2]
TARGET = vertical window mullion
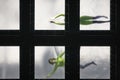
[27, 48]
[72, 62]
[72, 50]
[31, 47]
[113, 62]
[24, 28]
[72, 16]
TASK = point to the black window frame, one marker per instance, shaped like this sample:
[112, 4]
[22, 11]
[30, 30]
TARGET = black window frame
[72, 38]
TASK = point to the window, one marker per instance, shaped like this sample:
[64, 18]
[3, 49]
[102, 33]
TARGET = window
[30, 38]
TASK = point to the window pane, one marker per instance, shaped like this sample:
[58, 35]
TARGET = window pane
[46, 11]
[95, 62]
[96, 14]
[9, 14]
[42, 65]
[9, 62]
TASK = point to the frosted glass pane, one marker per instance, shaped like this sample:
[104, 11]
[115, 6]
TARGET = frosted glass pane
[45, 11]
[95, 8]
[9, 14]
[9, 62]
[42, 65]
[98, 60]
